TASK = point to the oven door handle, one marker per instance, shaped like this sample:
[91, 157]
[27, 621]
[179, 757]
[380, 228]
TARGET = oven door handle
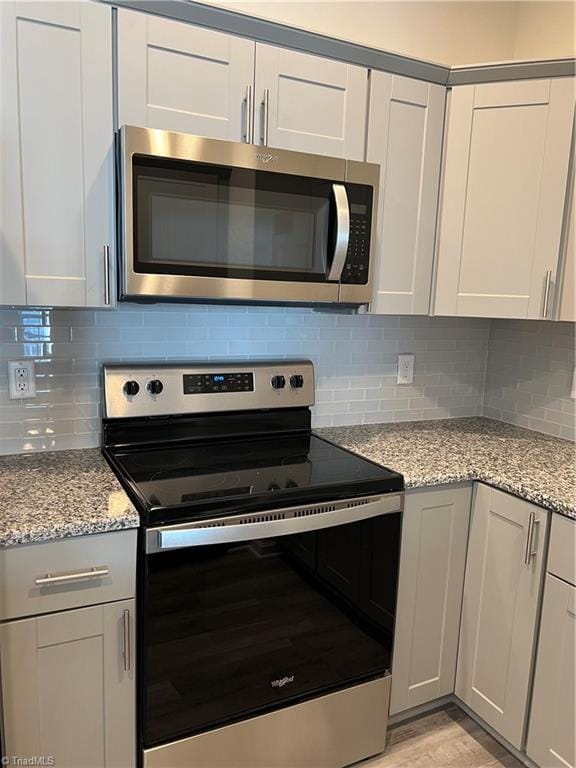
[301, 520]
[342, 232]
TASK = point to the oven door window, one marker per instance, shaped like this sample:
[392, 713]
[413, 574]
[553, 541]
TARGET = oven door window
[215, 221]
[234, 630]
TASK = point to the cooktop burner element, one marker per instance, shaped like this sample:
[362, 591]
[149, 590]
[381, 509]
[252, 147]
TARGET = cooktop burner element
[183, 456]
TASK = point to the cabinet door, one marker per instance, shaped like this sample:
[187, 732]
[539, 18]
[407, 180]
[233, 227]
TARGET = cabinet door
[567, 282]
[405, 138]
[551, 737]
[68, 687]
[504, 187]
[310, 104]
[432, 560]
[57, 154]
[178, 77]
[499, 609]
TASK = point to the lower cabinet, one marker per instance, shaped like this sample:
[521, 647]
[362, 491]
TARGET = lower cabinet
[551, 742]
[433, 557]
[500, 609]
[552, 728]
[68, 687]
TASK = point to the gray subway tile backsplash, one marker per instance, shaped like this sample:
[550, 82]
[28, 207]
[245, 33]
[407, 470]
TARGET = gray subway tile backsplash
[526, 365]
[529, 375]
[354, 356]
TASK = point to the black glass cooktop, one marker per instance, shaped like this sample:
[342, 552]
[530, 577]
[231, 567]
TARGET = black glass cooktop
[205, 479]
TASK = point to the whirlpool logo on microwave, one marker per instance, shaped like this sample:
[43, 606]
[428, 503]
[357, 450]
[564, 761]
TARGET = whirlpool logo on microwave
[266, 157]
[282, 681]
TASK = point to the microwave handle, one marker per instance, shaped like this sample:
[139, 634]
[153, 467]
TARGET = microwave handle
[342, 232]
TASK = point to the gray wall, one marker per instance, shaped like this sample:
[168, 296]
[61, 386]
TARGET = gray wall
[529, 375]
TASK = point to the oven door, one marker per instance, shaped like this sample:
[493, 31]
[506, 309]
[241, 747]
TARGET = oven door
[256, 613]
[207, 219]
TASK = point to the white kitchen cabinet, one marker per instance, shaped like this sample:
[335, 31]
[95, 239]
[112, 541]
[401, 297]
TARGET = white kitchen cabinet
[567, 281]
[406, 119]
[309, 103]
[506, 163]
[551, 738]
[175, 76]
[57, 170]
[178, 77]
[68, 687]
[431, 579]
[551, 733]
[500, 609]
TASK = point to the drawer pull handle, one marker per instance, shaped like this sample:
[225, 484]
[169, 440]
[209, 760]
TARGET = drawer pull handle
[97, 572]
[127, 641]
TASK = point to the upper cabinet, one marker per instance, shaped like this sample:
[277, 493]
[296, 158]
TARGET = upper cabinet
[174, 76]
[567, 283]
[178, 77]
[503, 194]
[309, 103]
[57, 170]
[405, 126]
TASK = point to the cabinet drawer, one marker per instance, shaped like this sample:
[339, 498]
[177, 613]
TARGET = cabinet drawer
[111, 555]
[562, 552]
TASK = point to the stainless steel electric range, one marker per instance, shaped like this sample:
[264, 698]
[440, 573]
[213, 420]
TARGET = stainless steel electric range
[268, 565]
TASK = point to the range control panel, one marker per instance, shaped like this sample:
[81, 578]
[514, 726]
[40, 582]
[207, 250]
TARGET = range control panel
[208, 383]
[170, 389]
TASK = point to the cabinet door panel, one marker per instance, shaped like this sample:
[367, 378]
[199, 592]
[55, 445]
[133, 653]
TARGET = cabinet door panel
[567, 284]
[65, 690]
[58, 123]
[315, 104]
[507, 157]
[405, 138]
[499, 609]
[551, 737]
[433, 555]
[178, 77]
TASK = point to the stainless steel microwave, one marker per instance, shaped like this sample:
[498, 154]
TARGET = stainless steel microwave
[209, 220]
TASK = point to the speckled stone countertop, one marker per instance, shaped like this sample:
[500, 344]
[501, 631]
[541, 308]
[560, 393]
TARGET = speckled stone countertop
[528, 464]
[58, 494]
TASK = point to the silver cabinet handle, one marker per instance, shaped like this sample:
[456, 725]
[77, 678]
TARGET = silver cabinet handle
[127, 643]
[266, 106]
[342, 232]
[547, 285]
[106, 274]
[530, 553]
[249, 123]
[97, 572]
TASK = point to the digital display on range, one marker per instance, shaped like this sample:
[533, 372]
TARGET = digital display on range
[209, 383]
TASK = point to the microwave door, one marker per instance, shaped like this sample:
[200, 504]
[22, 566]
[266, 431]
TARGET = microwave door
[342, 224]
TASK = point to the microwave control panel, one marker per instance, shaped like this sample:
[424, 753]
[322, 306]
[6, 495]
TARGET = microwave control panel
[358, 256]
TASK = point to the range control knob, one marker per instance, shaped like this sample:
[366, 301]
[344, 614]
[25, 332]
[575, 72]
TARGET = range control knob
[297, 381]
[131, 388]
[278, 382]
[155, 387]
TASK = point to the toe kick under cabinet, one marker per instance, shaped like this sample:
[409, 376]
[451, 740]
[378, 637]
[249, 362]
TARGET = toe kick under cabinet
[67, 651]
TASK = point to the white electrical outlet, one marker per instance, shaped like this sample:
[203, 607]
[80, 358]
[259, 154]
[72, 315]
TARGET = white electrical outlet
[405, 369]
[21, 381]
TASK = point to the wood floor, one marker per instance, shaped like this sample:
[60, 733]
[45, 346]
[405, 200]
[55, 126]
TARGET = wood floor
[446, 738]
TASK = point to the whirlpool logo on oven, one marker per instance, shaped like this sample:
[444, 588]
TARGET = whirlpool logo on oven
[282, 681]
[265, 157]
